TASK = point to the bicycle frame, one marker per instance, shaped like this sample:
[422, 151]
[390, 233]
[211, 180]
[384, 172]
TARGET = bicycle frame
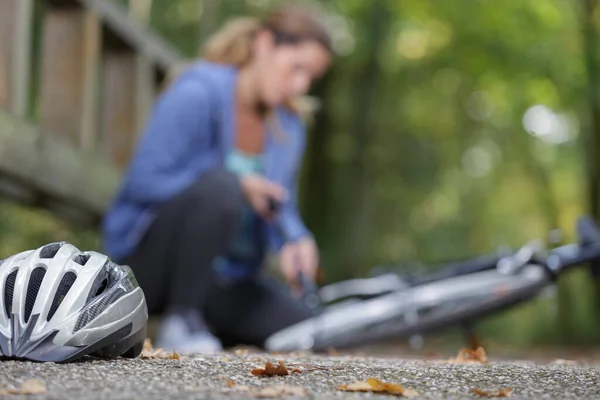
[460, 294]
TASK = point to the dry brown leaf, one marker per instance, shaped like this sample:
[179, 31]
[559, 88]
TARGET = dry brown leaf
[506, 392]
[332, 351]
[30, 386]
[560, 361]
[272, 370]
[468, 356]
[33, 386]
[147, 344]
[230, 383]
[149, 352]
[377, 386]
[154, 353]
[281, 390]
[356, 387]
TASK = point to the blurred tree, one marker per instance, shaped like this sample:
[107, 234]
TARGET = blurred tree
[590, 22]
[447, 129]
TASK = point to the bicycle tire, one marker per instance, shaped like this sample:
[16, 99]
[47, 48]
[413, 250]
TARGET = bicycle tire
[425, 326]
[385, 329]
[364, 288]
[460, 268]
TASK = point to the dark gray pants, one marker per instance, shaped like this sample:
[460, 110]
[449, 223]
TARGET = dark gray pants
[173, 265]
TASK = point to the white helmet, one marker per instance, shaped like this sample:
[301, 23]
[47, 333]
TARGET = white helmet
[59, 304]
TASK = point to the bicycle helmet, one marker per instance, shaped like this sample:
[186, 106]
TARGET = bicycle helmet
[59, 304]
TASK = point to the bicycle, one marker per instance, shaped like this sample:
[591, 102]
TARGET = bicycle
[362, 311]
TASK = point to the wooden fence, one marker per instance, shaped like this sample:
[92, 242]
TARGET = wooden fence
[77, 79]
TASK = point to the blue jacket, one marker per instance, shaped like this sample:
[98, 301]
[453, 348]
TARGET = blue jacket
[190, 130]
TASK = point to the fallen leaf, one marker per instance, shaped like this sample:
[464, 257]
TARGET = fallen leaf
[332, 351]
[356, 387]
[272, 370]
[410, 393]
[282, 390]
[147, 345]
[149, 352]
[377, 386]
[31, 386]
[560, 361]
[468, 356]
[506, 392]
[230, 383]
[241, 352]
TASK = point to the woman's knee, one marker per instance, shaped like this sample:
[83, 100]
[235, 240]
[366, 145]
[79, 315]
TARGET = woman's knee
[219, 193]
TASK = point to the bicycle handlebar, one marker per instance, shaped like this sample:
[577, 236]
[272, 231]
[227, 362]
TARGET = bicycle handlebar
[570, 255]
[563, 257]
[556, 260]
[310, 292]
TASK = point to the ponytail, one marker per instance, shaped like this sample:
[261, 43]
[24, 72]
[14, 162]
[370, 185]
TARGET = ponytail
[232, 44]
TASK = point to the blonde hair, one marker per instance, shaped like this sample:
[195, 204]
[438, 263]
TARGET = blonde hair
[232, 43]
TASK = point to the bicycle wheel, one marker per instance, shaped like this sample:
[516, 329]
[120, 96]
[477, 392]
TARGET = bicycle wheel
[384, 283]
[420, 309]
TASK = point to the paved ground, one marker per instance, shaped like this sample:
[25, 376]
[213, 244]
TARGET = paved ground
[207, 377]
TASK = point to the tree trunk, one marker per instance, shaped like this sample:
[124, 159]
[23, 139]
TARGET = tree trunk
[593, 88]
[360, 194]
[592, 133]
[316, 180]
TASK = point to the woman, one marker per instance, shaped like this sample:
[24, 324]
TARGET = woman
[194, 216]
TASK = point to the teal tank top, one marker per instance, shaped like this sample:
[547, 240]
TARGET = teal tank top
[243, 246]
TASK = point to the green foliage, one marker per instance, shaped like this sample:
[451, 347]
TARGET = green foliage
[24, 229]
[428, 147]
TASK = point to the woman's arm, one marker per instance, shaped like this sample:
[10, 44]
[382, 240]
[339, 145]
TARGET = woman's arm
[289, 227]
[178, 132]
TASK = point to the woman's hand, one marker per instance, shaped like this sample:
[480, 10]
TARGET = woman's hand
[295, 257]
[258, 190]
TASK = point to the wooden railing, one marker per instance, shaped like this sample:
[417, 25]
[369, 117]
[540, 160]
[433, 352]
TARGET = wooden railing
[77, 80]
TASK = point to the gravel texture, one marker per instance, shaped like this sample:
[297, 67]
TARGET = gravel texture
[206, 377]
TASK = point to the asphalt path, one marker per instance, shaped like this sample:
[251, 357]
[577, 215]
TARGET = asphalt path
[228, 376]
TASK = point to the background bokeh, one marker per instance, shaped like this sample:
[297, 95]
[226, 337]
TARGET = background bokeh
[447, 129]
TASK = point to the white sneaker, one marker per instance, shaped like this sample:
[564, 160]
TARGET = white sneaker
[174, 335]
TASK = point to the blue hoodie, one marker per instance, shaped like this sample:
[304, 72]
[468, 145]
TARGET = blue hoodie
[190, 130]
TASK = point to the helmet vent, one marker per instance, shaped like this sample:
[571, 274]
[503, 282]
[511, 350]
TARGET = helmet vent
[102, 287]
[50, 250]
[81, 259]
[9, 288]
[126, 285]
[103, 303]
[35, 281]
[63, 288]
